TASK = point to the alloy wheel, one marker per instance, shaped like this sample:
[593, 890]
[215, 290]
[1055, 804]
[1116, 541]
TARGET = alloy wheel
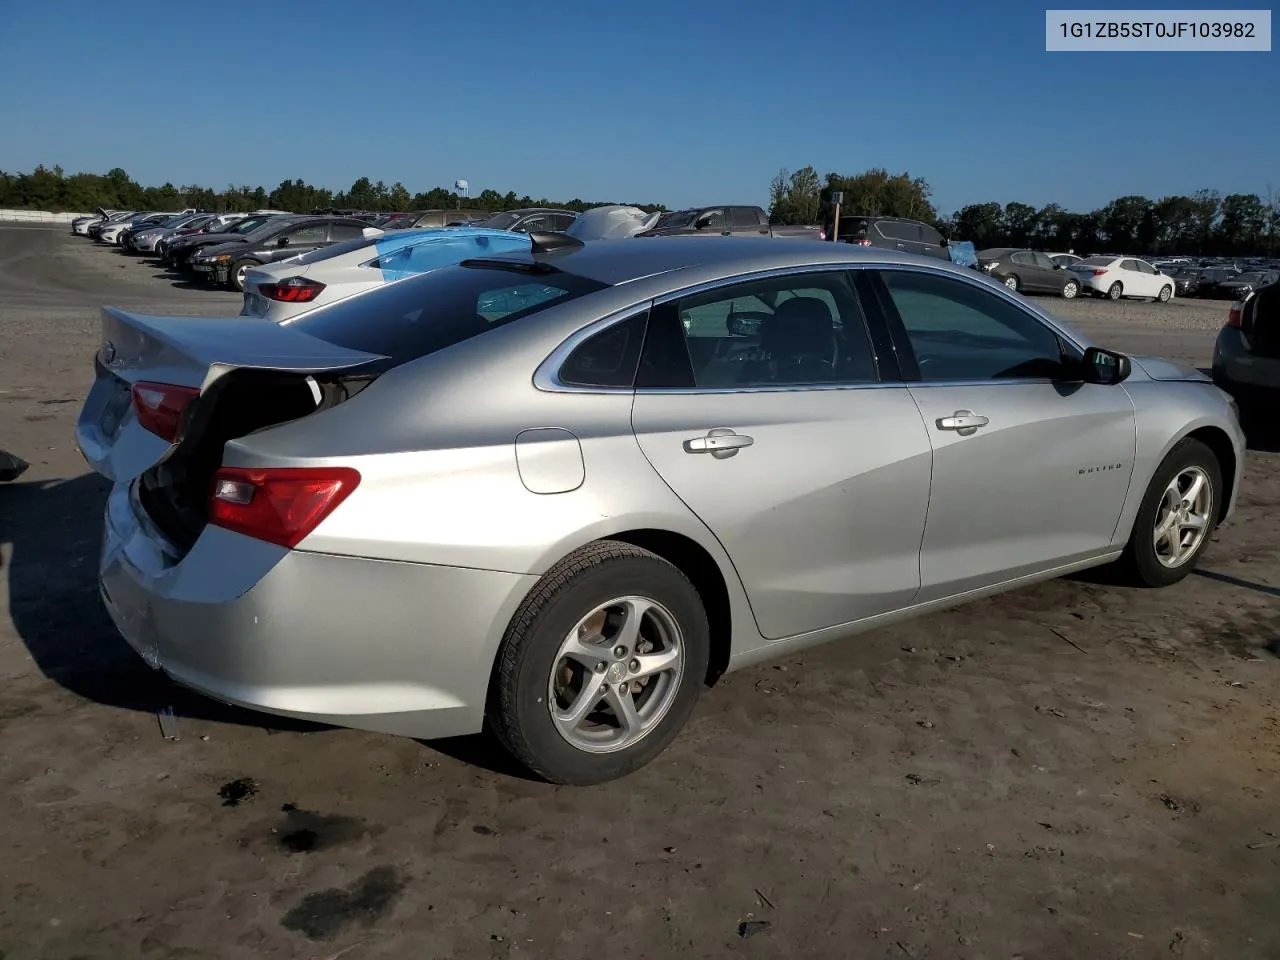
[1183, 516]
[616, 674]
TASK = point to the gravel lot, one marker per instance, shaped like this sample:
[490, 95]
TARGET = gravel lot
[1074, 770]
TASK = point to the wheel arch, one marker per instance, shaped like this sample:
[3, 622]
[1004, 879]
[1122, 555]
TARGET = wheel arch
[1219, 443]
[696, 563]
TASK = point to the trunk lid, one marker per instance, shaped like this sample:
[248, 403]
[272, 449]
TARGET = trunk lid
[193, 352]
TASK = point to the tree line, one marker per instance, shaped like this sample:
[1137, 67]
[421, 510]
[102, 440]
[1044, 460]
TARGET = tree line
[54, 191]
[1205, 223]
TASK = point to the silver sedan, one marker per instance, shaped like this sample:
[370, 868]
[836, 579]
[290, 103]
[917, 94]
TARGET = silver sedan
[560, 491]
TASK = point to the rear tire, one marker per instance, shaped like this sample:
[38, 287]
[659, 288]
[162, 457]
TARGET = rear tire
[1070, 290]
[1115, 291]
[1166, 293]
[547, 664]
[1152, 560]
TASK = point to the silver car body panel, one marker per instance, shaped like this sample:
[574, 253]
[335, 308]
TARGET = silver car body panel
[480, 471]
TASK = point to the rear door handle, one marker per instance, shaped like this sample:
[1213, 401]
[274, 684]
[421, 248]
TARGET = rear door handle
[963, 422]
[720, 443]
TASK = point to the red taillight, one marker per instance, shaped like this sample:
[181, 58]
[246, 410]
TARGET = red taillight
[1099, 272]
[293, 290]
[160, 407]
[280, 505]
[1235, 314]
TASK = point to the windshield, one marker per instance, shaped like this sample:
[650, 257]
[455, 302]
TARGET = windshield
[1094, 262]
[502, 221]
[418, 316]
[249, 225]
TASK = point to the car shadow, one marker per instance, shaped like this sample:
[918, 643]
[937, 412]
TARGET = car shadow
[1262, 438]
[182, 281]
[53, 528]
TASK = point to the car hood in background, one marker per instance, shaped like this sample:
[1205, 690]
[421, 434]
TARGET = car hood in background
[1158, 368]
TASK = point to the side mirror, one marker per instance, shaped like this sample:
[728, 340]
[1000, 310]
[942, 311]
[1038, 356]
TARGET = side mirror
[1105, 367]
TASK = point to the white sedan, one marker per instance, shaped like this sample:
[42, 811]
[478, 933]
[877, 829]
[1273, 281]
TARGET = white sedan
[282, 290]
[1116, 277]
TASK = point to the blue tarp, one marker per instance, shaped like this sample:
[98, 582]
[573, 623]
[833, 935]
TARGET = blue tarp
[963, 252]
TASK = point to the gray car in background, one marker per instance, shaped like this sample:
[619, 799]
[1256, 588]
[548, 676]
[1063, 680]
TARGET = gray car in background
[563, 490]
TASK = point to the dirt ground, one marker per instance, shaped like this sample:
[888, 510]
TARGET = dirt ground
[1074, 770]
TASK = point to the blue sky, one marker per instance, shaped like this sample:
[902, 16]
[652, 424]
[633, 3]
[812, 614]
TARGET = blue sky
[680, 103]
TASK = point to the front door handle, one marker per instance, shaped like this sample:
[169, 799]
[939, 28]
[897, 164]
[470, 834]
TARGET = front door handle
[720, 443]
[963, 422]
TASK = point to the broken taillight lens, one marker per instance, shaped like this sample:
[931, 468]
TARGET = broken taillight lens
[160, 407]
[293, 290]
[280, 505]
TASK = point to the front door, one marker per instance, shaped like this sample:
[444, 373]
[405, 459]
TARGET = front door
[1031, 465]
[761, 406]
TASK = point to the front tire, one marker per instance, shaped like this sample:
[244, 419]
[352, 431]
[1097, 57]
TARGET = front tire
[236, 275]
[601, 666]
[1176, 518]
[1115, 291]
[1166, 293]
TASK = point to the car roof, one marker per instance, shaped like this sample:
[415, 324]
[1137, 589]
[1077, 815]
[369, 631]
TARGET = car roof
[620, 261]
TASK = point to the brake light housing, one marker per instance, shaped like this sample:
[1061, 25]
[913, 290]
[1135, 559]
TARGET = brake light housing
[1235, 315]
[161, 407]
[280, 505]
[292, 290]
[1099, 271]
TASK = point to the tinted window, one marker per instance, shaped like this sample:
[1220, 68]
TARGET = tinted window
[1095, 262]
[502, 221]
[1024, 258]
[435, 310]
[929, 235]
[1041, 261]
[562, 221]
[890, 230]
[744, 217]
[609, 358]
[534, 224]
[804, 329]
[346, 231]
[308, 233]
[712, 220]
[1130, 265]
[959, 331]
[1065, 259]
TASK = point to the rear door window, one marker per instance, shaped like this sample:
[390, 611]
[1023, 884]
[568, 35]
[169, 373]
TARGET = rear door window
[347, 231]
[430, 312]
[743, 218]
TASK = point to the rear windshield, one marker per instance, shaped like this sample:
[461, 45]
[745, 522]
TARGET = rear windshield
[426, 313]
[336, 250]
[1094, 262]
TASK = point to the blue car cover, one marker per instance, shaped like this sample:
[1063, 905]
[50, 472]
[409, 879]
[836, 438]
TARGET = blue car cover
[963, 253]
[406, 253]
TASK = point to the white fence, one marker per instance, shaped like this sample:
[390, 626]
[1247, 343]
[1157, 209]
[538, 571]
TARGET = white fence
[37, 216]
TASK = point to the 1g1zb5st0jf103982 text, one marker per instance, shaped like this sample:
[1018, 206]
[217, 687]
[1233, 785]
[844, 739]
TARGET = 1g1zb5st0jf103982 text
[1158, 30]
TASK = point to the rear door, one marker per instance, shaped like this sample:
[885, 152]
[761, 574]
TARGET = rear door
[762, 405]
[746, 222]
[1135, 282]
[1031, 466]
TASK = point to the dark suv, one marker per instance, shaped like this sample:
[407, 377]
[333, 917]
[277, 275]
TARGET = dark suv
[890, 233]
